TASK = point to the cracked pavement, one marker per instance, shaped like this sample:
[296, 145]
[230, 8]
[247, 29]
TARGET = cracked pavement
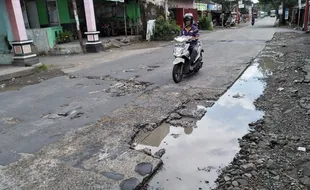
[74, 131]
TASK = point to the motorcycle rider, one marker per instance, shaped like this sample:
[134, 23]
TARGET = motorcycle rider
[191, 30]
[253, 17]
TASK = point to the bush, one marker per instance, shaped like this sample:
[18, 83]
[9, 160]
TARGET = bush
[205, 23]
[41, 68]
[64, 37]
[165, 30]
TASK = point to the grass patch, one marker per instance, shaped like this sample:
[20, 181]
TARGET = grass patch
[41, 68]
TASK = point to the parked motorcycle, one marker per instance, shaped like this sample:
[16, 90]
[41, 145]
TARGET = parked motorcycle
[230, 24]
[106, 29]
[181, 63]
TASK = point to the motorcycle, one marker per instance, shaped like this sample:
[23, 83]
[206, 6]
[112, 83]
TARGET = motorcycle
[181, 63]
[230, 24]
[106, 30]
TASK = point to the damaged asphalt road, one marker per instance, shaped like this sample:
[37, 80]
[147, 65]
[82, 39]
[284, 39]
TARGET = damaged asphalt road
[75, 131]
[275, 154]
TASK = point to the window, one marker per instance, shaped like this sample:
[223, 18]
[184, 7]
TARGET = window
[52, 11]
[24, 11]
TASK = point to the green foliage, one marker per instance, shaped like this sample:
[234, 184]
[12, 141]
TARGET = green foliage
[41, 68]
[275, 3]
[64, 37]
[165, 30]
[205, 23]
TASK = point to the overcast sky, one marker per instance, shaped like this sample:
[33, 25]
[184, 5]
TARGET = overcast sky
[255, 1]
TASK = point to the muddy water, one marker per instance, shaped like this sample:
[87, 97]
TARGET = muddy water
[11, 88]
[194, 156]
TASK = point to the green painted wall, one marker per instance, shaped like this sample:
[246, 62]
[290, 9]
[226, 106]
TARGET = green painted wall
[133, 10]
[63, 10]
[51, 33]
[42, 12]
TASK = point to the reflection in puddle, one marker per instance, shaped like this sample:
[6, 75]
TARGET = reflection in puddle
[11, 88]
[268, 64]
[154, 139]
[193, 159]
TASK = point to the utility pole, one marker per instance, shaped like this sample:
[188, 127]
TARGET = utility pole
[306, 16]
[76, 16]
[282, 20]
[125, 19]
[299, 7]
[167, 10]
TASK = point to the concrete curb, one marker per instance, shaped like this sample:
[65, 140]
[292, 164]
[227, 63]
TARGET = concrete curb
[71, 49]
[19, 73]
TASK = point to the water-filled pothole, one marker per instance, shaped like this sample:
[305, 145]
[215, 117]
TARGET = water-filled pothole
[194, 156]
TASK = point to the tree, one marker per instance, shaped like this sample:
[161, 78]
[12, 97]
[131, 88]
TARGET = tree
[276, 3]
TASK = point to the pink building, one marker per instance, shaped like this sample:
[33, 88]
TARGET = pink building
[21, 44]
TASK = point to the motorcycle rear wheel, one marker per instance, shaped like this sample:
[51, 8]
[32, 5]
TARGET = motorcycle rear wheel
[177, 74]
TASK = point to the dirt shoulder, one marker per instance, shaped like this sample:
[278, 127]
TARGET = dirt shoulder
[275, 153]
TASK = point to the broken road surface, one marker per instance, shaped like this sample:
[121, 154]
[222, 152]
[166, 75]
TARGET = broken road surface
[75, 131]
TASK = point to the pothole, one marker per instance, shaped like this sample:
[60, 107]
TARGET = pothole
[153, 66]
[124, 88]
[72, 114]
[121, 87]
[196, 154]
[305, 102]
[18, 83]
[10, 120]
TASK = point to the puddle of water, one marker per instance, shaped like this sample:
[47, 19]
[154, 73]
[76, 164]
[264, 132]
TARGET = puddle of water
[267, 64]
[194, 156]
[11, 88]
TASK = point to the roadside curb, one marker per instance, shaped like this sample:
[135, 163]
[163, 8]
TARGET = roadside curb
[18, 72]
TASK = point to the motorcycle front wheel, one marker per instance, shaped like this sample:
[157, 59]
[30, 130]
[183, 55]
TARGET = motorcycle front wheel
[177, 74]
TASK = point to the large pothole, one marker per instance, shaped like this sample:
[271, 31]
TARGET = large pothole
[196, 150]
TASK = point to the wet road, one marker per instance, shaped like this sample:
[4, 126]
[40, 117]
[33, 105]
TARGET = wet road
[194, 157]
[137, 87]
